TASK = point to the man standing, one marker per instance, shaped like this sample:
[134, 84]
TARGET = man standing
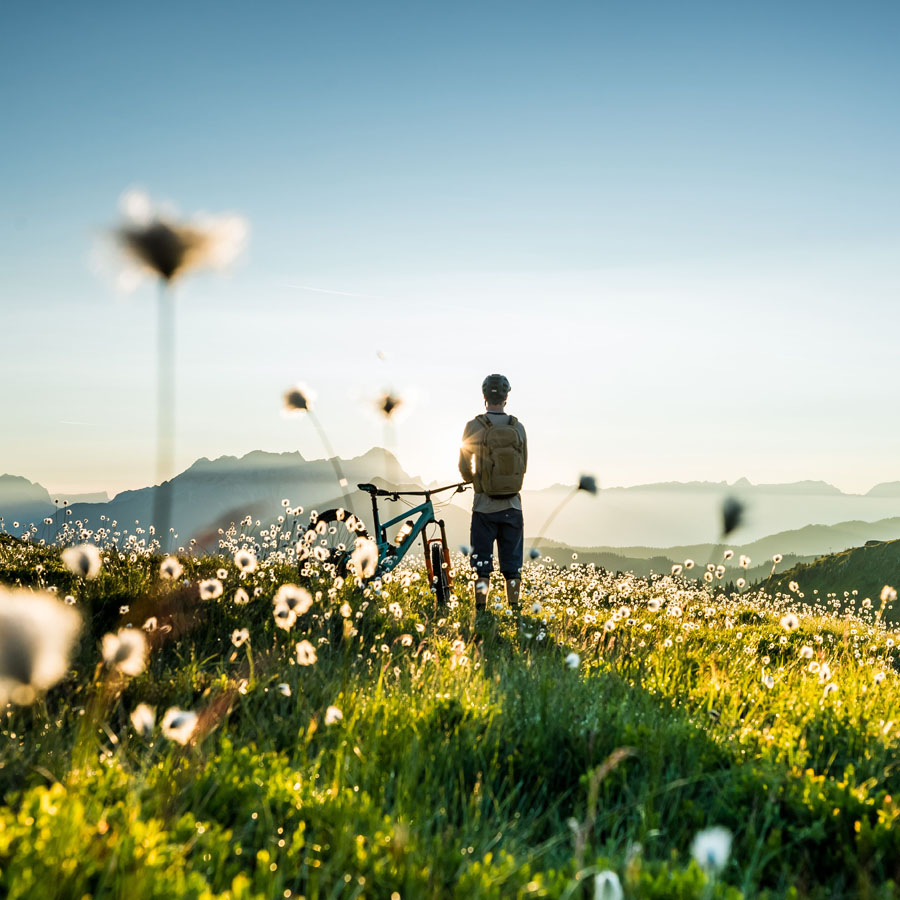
[493, 457]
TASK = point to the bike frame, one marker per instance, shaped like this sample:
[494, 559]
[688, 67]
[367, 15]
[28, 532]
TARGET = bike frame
[390, 554]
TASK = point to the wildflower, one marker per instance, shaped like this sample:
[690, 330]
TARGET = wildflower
[888, 594]
[707, 576]
[364, 558]
[154, 243]
[285, 617]
[246, 560]
[744, 562]
[830, 688]
[284, 689]
[534, 553]
[126, 651]
[768, 680]
[150, 624]
[536, 608]
[333, 715]
[729, 554]
[37, 633]
[609, 625]
[210, 589]
[732, 515]
[790, 622]
[741, 583]
[241, 597]
[143, 718]
[878, 677]
[388, 404]
[793, 587]
[676, 570]
[298, 399]
[178, 725]
[295, 598]
[465, 549]
[711, 849]
[406, 640]
[83, 560]
[806, 652]
[653, 604]
[306, 653]
[689, 564]
[607, 886]
[777, 558]
[588, 483]
[573, 660]
[171, 569]
[240, 636]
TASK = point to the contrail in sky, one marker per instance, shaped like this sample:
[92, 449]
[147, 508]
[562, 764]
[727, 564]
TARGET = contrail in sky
[316, 290]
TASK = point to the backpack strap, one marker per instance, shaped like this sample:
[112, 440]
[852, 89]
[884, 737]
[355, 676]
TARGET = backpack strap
[485, 420]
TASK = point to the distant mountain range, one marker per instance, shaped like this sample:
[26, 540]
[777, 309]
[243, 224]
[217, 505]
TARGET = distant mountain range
[804, 518]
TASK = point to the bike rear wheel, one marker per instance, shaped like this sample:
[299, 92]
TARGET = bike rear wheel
[330, 538]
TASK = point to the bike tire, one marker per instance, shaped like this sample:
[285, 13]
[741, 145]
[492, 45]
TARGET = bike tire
[333, 533]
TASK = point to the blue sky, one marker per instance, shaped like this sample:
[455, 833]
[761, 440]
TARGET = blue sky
[673, 226]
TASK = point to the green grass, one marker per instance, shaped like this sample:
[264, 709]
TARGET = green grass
[467, 769]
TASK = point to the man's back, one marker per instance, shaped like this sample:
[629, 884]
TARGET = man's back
[473, 438]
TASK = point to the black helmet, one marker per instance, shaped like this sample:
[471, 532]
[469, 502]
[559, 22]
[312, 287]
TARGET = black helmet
[495, 388]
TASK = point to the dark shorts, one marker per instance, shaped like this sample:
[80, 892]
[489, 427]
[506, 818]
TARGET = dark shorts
[507, 529]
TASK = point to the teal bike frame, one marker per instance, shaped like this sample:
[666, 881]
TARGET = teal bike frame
[391, 552]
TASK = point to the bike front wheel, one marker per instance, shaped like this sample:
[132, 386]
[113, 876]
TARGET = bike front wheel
[440, 577]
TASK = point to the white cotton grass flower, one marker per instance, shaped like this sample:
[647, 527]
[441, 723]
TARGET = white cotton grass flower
[777, 558]
[295, 598]
[364, 558]
[768, 680]
[607, 886]
[284, 689]
[333, 715]
[677, 570]
[711, 849]
[689, 564]
[179, 725]
[246, 560]
[806, 652]
[126, 651]
[37, 634]
[306, 653]
[241, 597]
[171, 569]
[888, 594]
[240, 636]
[284, 616]
[728, 554]
[745, 562]
[153, 243]
[211, 589]
[143, 719]
[573, 660]
[653, 604]
[84, 561]
[790, 622]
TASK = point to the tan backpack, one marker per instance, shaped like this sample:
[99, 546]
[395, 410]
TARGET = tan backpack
[500, 459]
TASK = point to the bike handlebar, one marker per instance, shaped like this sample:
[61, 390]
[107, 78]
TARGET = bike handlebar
[380, 492]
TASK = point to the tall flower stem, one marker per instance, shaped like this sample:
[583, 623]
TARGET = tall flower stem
[552, 516]
[165, 413]
[335, 463]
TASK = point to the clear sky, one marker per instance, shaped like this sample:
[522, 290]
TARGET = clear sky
[674, 227]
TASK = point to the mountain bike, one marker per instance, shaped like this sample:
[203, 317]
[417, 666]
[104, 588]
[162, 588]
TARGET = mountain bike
[332, 535]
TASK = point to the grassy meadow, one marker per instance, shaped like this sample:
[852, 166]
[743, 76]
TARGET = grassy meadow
[408, 751]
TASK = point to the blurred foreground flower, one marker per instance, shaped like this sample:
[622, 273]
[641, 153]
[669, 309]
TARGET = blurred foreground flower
[333, 715]
[178, 725]
[711, 849]
[364, 558]
[607, 886]
[732, 515]
[211, 589]
[388, 403]
[153, 243]
[143, 718]
[37, 633]
[306, 653]
[588, 484]
[170, 568]
[246, 560]
[83, 560]
[125, 651]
